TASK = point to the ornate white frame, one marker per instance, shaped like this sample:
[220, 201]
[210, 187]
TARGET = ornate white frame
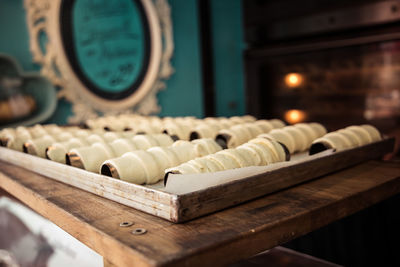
[43, 16]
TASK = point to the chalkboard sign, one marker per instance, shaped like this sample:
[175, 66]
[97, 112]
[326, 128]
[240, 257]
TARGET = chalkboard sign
[107, 43]
[107, 55]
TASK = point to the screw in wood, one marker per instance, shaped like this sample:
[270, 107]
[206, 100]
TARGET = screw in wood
[139, 231]
[126, 224]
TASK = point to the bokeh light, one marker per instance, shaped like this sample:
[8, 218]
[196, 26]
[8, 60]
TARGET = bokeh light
[295, 116]
[293, 80]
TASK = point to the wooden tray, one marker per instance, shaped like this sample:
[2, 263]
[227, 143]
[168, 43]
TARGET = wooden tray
[182, 207]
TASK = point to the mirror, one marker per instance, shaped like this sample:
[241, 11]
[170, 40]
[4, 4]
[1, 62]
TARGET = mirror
[108, 56]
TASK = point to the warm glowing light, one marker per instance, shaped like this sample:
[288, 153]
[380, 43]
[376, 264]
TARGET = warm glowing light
[295, 116]
[293, 80]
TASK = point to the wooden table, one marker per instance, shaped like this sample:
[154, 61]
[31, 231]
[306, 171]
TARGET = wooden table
[216, 239]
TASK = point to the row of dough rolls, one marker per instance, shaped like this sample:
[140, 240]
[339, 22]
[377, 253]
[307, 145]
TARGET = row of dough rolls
[349, 137]
[91, 157]
[42, 145]
[297, 137]
[152, 124]
[178, 127]
[257, 152]
[242, 133]
[148, 166]
[183, 130]
[15, 138]
[57, 151]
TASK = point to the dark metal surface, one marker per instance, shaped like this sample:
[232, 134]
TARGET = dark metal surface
[207, 58]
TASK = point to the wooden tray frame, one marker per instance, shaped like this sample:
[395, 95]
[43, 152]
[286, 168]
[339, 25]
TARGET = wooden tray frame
[184, 207]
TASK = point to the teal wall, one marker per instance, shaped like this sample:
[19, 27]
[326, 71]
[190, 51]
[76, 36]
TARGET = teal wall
[14, 33]
[183, 95]
[228, 45]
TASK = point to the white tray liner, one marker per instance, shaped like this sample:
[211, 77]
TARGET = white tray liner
[186, 183]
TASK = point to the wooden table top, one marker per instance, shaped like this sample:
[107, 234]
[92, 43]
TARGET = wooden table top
[217, 239]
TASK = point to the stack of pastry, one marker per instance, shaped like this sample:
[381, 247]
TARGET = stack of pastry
[298, 137]
[241, 133]
[256, 152]
[349, 137]
[148, 166]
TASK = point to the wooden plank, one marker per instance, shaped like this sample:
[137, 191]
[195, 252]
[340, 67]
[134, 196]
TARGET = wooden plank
[180, 208]
[216, 239]
[140, 197]
[202, 202]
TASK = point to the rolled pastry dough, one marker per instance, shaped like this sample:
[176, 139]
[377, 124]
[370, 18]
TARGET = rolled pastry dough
[349, 137]
[163, 158]
[258, 151]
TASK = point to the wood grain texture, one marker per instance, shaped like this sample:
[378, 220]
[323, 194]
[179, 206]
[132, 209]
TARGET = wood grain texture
[183, 207]
[198, 203]
[216, 239]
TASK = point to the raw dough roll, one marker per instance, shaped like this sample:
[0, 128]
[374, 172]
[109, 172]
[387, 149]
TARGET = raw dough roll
[277, 150]
[318, 128]
[38, 146]
[89, 157]
[205, 146]
[265, 125]
[276, 123]
[203, 131]
[309, 132]
[344, 140]
[241, 133]
[333, 141]
[209, 165]
[144, 142]
[184, 168]
[15, 141]
[349, 137]
[235, 155]
[177, 131]
[223, 160]
[208, 129]
[373, 132]
[184, 152]
[257, 152]
[301, 140]
[248, 118]
[57, 151]
[171, 158]
[123, 145]
[362, 133]
[147, 128]
[297, 137]
[251, 153]
[163, 158]
[131, 167]
[282, 136]
[85, 156]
